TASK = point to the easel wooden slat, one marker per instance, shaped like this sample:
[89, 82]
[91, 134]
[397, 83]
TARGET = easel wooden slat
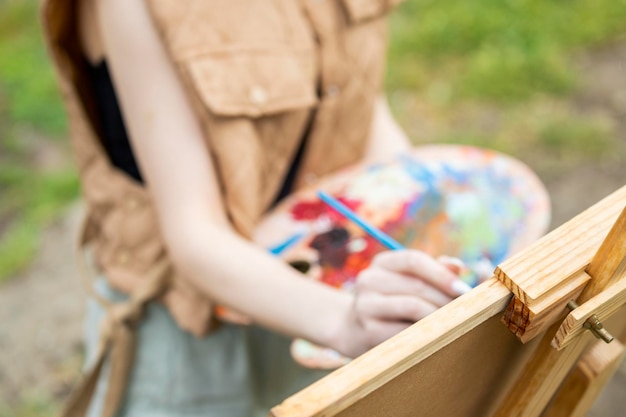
[582, 386]
[608, 262]
[600, 297]
[541, 377]
[602, 305]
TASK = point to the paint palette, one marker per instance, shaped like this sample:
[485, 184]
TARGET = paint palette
[473, 204]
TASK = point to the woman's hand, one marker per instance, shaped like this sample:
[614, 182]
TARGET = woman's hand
[396, 290]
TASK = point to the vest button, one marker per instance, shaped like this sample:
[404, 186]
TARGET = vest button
[257, 95]
[332, 90]
[123, 257]
[132, 203]
[310, 178]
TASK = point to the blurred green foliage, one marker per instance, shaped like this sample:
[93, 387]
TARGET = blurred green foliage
[28, 91]
[502, 50]
[31, 123]
[30, 406]
[503, 74]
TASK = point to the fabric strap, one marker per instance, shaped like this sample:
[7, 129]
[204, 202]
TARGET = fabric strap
[117, 337]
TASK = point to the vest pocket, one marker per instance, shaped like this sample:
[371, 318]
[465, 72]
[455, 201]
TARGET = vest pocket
[254, 83]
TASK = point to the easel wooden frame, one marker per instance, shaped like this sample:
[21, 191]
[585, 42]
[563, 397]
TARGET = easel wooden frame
[461, 361]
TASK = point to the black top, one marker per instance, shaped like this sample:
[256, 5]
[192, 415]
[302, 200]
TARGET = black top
[114, 134]
[115, 137]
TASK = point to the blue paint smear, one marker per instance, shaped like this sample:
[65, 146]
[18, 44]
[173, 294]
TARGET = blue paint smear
[461, 177]
[289, 242]
[419, 172]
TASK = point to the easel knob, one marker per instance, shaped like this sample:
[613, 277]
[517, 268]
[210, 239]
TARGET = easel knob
[594, 324]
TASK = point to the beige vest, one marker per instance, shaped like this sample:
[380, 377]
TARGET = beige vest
[261, 74]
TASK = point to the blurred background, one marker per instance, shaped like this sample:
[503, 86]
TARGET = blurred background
[542, 80]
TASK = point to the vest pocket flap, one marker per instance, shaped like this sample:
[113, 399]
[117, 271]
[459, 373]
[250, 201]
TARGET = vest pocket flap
[254, 83]
[359, 10]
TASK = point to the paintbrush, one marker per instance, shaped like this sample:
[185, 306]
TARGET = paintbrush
[369, 228]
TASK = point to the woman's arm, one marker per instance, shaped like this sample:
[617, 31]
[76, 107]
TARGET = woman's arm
[387, 138]
[180, 176]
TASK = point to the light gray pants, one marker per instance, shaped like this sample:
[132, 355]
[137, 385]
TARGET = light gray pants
[236, 371]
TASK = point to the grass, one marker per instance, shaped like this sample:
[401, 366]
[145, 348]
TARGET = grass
[34, 201]
[27, 86]
[499, 50]
[502, 74]
[31, 123]
[31, 406]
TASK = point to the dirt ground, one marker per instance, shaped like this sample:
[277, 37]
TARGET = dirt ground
[40, 311]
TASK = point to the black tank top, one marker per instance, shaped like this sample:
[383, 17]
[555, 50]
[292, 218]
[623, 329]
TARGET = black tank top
[114, 134]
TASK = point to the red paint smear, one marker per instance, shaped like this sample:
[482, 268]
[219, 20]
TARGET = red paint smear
[314, 209]
[354, 264]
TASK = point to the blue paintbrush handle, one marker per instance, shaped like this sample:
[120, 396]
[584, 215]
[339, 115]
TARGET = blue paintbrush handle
[373, 231]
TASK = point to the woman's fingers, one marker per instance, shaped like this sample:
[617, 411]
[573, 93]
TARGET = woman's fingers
[408, 308]
[382, 316]
[454, 265]
[380, 330]
[420, 265]
[393, 283]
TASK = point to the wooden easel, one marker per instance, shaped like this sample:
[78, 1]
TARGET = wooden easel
[460, 361]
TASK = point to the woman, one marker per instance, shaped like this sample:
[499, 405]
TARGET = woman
[228, 106]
